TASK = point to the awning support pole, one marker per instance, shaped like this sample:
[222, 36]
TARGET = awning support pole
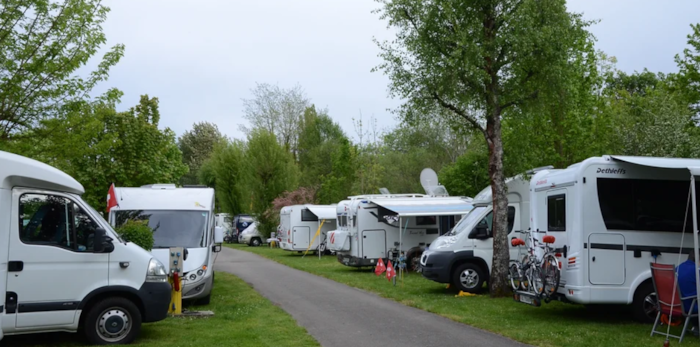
[696, 245]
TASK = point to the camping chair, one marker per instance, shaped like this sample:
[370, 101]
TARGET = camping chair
[669, 300]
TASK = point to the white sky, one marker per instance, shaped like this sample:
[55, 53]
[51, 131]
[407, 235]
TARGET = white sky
[200, 58]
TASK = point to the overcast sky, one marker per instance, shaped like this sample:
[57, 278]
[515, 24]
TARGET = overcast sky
[200, 58]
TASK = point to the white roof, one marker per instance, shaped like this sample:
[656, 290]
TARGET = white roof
[664, 163]
[323, 211]
[157, 198]
[412, 207]
[19, 171]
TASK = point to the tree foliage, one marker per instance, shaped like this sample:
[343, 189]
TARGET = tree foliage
[42, 44]
[225, 172]
[196, 146]
[138, 232]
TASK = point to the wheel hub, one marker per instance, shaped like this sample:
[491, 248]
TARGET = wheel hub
[650, 306]
[114, 324]
[469, 278]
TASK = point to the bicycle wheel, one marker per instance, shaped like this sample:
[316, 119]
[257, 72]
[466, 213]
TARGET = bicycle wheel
[551, 274]
[514, 275]
[536, 279]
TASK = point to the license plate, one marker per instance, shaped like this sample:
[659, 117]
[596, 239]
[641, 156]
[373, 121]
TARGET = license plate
[526, 299]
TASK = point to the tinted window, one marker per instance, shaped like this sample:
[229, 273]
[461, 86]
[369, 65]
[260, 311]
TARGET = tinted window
[426, 220]
[487, 222]
[308, 216]
[55, 220]
[556, 213]
[650, 205]
[171, 228]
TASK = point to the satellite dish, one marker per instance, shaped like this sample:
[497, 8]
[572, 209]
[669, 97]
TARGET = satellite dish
[428, 179]
[384, 191]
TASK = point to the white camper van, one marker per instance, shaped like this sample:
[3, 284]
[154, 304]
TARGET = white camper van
[381, 226]
[612, 216]
[463, 256]
[63, 268]
[179, 217]
[299, 224]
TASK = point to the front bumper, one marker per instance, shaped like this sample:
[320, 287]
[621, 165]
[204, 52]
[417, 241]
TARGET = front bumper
[155, 297]
[198, 289]
[436, 266]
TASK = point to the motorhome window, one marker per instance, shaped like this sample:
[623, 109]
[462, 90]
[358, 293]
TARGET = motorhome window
[648, 205]
[556, 213]
[308, 216]
[426, 220]
[171, 228]
[55, 220]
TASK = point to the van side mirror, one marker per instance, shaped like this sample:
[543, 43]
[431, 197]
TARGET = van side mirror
[102, 243]
[216, 248]
[218, 235]
[480, 232]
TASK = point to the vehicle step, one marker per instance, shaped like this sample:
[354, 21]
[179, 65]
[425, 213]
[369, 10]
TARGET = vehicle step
[527, 298]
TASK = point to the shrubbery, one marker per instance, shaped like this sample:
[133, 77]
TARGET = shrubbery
[138, 232]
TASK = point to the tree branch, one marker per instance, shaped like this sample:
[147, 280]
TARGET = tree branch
[459, 112]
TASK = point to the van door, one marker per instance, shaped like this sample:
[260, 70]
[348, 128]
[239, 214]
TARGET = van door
[606, 258]
[485, 244]
[51, 265]
[300, 237]
[7, 322]
[374, 244]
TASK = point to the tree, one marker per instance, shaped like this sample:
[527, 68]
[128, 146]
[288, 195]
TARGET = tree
[477, 60]
[468, 175]
[43, 43]
[278, 111]
[196, 146]
[337, 185]
[99, 146]
[270, 171]
[319, 138]
[225, 172]
[687, 80]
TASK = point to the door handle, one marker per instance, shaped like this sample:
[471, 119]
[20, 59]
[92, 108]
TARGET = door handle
[15, 266]
[593, 259]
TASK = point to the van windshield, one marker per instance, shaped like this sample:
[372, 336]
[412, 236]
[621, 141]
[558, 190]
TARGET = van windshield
[171, 228]
[466, 222]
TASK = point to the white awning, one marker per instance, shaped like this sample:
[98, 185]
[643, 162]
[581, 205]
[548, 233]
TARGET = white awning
[426, 206]
[664, 163]
[326, 212]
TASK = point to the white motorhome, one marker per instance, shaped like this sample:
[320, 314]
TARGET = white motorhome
[371, 227]
[63, 268]
[612, 216]
[463, 256]
[179, 217]
[299, 224]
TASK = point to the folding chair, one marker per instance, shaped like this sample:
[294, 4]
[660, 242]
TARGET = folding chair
[669, 300]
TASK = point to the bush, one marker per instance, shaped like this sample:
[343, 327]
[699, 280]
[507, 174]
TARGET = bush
[138, 232]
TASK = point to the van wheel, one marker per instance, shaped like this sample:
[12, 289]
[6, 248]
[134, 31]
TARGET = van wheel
[468, 278]
[112, 321]
[205, 300]
[255, 242]
[644, 304]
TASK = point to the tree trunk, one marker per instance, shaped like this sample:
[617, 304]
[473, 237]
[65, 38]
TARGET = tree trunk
[498, 280]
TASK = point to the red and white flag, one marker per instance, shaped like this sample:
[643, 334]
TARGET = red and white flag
[380, 267]
[111, 198]
[390, 272]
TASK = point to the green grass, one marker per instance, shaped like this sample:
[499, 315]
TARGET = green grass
[242, 318]
[554, 324]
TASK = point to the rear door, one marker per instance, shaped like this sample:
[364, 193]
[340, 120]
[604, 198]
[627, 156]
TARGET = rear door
[51, 265]
[374, 244]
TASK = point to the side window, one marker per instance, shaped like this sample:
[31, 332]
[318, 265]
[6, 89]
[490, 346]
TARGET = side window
[511, 218]
[487, 222]
[55, 221]
[556, 213]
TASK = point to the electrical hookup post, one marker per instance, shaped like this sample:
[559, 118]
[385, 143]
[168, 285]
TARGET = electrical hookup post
[176, 263]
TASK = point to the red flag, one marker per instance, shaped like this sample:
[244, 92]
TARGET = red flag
[390, 272]
[111, 198]
[380, 267]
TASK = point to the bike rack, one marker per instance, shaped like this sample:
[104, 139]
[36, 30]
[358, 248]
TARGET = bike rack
[528, 298]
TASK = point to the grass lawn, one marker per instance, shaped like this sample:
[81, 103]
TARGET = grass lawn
[554, 324]
[242, 318]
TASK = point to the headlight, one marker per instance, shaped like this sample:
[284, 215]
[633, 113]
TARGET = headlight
[156, 271]
[196, 275]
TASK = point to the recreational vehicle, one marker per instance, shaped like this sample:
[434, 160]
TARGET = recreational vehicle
[463, 256]
[63, 266]
[612, 216]
[224, 221]
[179, 217]
[299, 225]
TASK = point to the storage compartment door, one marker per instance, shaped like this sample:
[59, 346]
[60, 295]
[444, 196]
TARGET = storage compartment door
[373, 244]
[606, 259]
[300, 237]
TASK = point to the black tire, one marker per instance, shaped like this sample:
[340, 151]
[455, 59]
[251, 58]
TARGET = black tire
[413, 261]
[119, 314]
[255, 242]
[468, 278]
[644, 304]
[205, 300]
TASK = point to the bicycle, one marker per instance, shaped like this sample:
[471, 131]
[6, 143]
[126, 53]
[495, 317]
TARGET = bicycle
[540, 276]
